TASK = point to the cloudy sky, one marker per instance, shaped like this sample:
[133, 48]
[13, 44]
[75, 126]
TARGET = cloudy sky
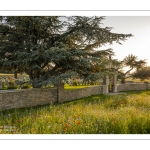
[139, 44]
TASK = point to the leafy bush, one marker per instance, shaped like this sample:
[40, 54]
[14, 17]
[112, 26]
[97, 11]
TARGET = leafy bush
[12, 85]
[26, 86]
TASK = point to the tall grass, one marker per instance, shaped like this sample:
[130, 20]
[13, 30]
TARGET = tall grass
[100, 114]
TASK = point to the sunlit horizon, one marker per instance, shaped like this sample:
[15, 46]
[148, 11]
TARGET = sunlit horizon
[138, 45]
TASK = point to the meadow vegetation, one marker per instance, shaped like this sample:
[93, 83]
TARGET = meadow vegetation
[127, 113]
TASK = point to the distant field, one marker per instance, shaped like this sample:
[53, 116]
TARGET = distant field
[129, 79]
[137, 80]
[68, 87]
[3, 74]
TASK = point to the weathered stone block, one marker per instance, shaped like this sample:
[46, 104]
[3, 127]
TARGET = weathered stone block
[1, 85]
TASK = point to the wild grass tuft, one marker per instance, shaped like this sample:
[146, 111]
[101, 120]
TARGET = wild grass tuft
[100, 114]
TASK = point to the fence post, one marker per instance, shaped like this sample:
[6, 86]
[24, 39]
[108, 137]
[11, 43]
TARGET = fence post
[60, 89]
[147, 84]
[104, 89]
[105, 84]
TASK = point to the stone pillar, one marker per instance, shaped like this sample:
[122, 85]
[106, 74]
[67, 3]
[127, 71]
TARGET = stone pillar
[147, 85]
[1, 85]
[106, 82]
[114, 82]
[60, 89]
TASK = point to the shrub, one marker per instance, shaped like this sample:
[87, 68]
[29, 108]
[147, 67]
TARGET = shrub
[26, 86]
[12, 85]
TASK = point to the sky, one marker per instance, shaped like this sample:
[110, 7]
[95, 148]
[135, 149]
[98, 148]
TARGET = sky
[139, 44]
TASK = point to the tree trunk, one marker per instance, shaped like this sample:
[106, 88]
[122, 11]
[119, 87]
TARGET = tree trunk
[123, 80]
[30, 75]
[36, 74]
[35, 85]
[15, 75]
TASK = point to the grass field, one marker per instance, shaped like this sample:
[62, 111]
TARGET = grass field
[128, 113]
[3, 74]
[136, 80]
[68, 87]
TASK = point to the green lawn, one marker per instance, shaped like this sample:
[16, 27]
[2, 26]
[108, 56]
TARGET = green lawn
[136, 80]
[68, 87]
[11, 75]
[6, 74]
[127, 113]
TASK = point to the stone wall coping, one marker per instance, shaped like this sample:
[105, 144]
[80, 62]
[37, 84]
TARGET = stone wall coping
[133, 83]
[24, 90]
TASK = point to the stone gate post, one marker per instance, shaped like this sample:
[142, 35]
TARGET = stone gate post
[60, 89]
[106, 83]
[114, 83]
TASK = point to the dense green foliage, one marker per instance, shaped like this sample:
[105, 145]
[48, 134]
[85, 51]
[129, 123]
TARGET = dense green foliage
[143, 74]
[51, 49]
[128, 113]
[131, 62]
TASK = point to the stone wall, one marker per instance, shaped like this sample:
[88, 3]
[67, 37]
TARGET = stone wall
[133, 86]
[25, 98]
[79, 93]
[32, 97]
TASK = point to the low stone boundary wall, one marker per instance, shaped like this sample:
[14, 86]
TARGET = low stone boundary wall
[80, 93]
[32, 97]
[133, 86]
[25, 98]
